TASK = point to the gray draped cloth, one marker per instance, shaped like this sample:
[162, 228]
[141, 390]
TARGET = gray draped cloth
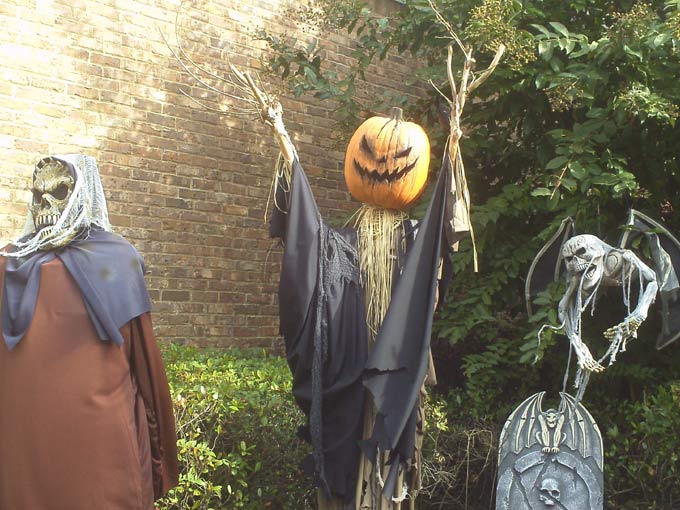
[108, 271]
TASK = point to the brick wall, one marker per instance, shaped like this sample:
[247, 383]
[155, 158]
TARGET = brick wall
[187, 187]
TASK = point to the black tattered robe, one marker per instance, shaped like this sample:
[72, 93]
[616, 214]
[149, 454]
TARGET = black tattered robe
[323, 322]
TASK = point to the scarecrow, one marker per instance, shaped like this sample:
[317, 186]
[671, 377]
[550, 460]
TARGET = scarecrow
[87, 417]
[356, 308]
[357, 303]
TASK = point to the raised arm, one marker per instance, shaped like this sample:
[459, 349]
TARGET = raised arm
[629, 267]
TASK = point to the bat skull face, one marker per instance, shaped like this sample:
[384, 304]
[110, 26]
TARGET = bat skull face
[584, 256]
[551, 416]
[549, 492]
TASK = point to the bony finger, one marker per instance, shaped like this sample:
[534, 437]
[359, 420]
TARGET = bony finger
[610, 333]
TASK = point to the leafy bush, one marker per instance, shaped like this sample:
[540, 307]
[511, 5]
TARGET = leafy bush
[642, 464]
[459, 464]
[237, 424]
[238, 446]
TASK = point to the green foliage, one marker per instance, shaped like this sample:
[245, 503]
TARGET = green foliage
[579, 119]
[299, 63]
[459, 458]
[237, 424]
[490, 26]
[643, 461]
[238, 450]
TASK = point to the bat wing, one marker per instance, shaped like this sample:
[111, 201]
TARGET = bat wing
[664, 249]
[580, 431]
[545, 268]
[519, 431]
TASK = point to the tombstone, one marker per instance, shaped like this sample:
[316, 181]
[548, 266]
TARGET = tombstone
[550, 459]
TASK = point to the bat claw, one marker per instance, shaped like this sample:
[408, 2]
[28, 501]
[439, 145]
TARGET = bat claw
[592, 366]
[626, 329]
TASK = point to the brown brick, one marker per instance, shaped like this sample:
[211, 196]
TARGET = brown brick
[188, 187]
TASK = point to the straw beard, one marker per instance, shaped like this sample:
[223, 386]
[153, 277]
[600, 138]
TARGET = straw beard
[379, 232]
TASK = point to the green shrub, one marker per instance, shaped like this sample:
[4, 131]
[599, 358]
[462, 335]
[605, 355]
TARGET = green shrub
[238, 447]
[460, 455]
[642, 464]
[237, 424]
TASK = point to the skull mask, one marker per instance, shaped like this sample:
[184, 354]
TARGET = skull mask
[549, 492]
[53, 185]
[584, 253]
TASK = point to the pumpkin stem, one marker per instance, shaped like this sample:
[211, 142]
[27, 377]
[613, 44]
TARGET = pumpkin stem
[396, 113]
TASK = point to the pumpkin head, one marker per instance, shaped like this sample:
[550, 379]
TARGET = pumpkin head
[387, 161]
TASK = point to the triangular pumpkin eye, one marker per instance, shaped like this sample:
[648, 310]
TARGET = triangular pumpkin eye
[403, 153]
[366, 148]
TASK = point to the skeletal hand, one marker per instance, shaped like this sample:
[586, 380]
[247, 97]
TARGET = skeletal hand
[627, 329]
[587, 362]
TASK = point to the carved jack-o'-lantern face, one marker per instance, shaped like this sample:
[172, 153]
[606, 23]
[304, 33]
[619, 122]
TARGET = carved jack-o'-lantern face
[387, 161]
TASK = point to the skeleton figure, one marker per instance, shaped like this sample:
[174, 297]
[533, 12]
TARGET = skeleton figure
[550, 492]
[78, 352]
[588, 263]
[591, 263]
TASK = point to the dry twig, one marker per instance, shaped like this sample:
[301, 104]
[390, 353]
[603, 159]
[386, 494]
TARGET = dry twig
[459, 94]
[247, 95]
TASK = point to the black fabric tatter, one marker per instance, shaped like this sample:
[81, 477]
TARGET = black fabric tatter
[397, 366]
[386, 176]
[337, 260]
[323, 321]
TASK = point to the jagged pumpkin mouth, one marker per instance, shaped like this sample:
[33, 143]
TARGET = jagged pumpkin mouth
[388, 175]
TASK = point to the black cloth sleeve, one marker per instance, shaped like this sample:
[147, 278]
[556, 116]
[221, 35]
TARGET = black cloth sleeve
[322, 320]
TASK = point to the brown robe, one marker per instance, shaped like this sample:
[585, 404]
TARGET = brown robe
[85, 424]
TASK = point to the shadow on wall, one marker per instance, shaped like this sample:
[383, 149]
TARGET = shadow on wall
[187, 187]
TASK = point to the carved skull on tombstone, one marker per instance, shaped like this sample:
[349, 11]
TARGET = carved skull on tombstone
[53, 185]
[550, 492]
